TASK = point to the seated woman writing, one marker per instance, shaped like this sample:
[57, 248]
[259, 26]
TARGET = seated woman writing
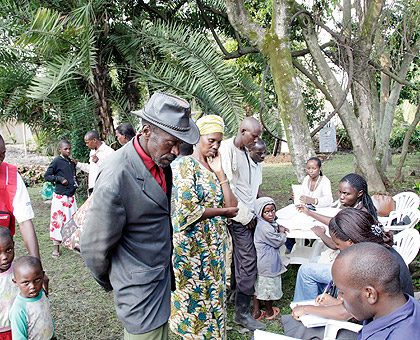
[317, 189]
[348, 227]
[312, 278]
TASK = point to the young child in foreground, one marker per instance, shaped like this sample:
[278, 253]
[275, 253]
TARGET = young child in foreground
[30, 316]
[8, 290]
[268, 238]
[61, 172]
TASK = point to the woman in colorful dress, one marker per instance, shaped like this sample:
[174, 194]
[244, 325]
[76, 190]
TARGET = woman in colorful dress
[203, 201]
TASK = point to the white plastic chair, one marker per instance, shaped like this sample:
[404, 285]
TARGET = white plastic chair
[398, 216]
[333, 326]
[406, 200]
[407, 244]
[301, 254]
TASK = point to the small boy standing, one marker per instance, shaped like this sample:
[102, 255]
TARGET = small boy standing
[8, 291]
[62, 172]
[30, 315]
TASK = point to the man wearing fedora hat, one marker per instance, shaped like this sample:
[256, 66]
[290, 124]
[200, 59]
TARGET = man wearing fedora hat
[126, 242]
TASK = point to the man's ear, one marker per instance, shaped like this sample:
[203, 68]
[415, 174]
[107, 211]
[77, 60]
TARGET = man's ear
[370, 294]
[146, 131]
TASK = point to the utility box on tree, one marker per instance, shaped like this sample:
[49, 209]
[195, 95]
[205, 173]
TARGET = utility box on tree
[327, 138]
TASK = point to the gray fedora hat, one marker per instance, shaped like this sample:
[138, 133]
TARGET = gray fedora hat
[171, 114]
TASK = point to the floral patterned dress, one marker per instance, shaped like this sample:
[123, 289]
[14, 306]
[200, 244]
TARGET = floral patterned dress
[198, 308]
[62, 209]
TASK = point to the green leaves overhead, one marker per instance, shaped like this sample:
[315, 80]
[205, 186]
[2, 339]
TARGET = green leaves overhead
[188, 64]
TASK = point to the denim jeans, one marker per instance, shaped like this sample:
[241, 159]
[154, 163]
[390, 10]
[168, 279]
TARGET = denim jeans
[312, 278]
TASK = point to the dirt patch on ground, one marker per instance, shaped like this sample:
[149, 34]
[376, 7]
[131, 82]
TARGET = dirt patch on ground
[282, 158]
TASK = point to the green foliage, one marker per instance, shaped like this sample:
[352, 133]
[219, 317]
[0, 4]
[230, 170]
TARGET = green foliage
[398, 134]
[343, 139]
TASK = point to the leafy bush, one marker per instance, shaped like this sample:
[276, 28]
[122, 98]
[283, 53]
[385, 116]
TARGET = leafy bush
[398, 134]
[343, 139]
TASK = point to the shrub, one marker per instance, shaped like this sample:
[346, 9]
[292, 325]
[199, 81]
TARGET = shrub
[398, 135]
[343, 139]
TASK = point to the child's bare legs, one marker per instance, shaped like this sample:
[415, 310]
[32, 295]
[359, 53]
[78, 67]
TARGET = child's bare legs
[257, 312]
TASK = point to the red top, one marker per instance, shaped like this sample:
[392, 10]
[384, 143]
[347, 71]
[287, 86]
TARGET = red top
[8, 185]
[156, 171]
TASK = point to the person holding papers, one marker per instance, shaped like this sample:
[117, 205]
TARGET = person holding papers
[348, 227]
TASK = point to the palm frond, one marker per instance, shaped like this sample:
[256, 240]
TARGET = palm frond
[189, 50]
[57, 72]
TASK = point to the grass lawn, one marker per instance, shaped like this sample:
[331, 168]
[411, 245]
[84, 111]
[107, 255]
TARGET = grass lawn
[82, 310]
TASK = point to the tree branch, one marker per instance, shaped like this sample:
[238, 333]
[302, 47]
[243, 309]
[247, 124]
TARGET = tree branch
[215, 11]
[227, 55]
[263, 106]
[210, 26]
[313, 79]
[239, 19]
[152, 10]
[305, 51]
[392, 75]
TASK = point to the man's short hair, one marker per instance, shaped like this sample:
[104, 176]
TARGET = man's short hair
[5, 233]
[92, 134]
[371, 264]
[260, 142]
[63, 142]
[27, 261]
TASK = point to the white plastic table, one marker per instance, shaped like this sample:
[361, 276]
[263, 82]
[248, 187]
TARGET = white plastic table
[300, 226]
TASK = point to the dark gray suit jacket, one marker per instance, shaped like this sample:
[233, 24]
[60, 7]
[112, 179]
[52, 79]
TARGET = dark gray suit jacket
[126, 242]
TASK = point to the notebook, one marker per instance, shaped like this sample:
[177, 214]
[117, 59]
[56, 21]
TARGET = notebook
[310, 320]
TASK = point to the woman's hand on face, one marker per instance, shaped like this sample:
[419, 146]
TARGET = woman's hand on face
[298, 311]
[215, 163]
[231, 212]
[318, 230]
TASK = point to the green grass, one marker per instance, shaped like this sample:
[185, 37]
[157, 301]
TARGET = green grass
[82, 310]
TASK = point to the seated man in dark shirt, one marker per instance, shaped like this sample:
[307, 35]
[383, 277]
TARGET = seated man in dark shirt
[367, 275]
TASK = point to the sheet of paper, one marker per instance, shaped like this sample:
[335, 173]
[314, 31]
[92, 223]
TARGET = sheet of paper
[310, 320]
[287, 212]
[298, 191]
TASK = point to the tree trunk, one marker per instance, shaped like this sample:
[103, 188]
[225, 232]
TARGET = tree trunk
[274, 45]
[99, 90]
[382, 144]
[404, 150]
[360, 148]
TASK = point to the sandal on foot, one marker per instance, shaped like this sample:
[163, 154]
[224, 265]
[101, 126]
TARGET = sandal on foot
[262, 315]
[55, 255]
[276, 312]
